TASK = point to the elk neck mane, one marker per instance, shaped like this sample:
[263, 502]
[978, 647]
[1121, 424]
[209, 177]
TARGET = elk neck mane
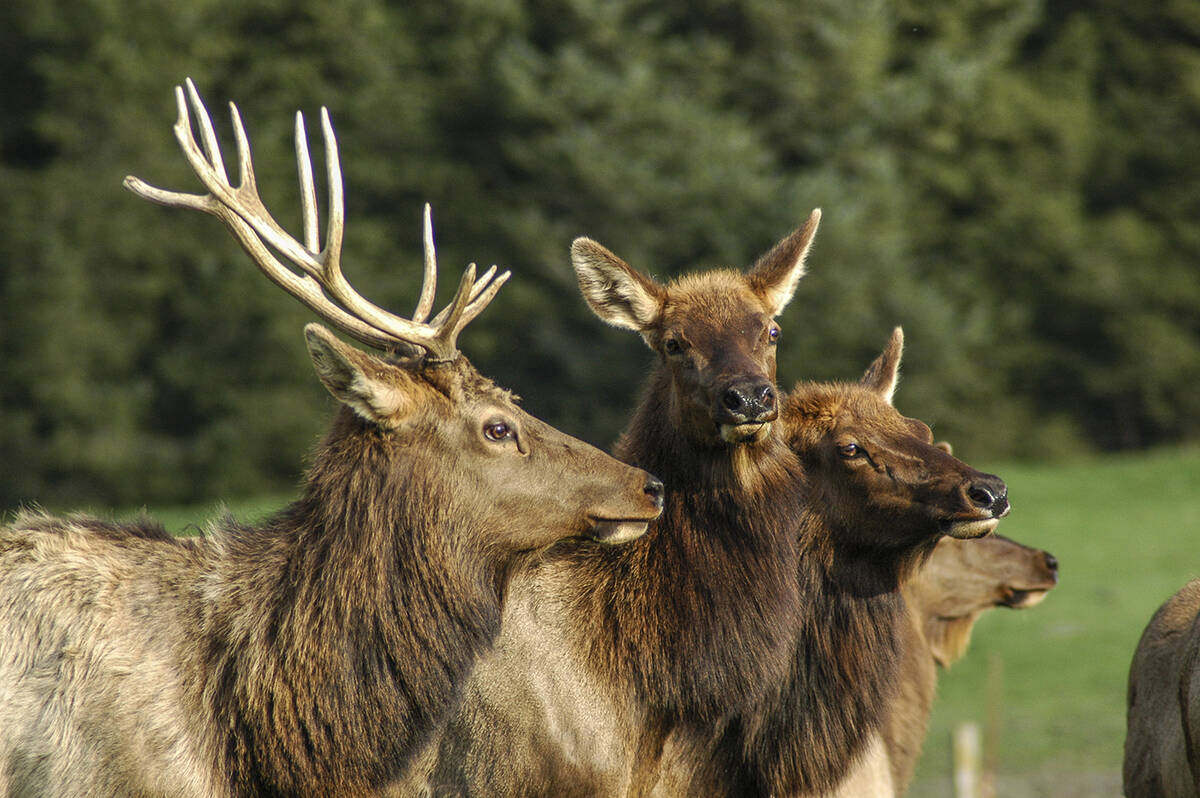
[808, 731]
[698, 615]
[340, 630]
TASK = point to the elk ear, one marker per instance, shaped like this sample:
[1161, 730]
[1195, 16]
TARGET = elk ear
[775, 275]
[375, 389]
[882, 375]
[616, 292]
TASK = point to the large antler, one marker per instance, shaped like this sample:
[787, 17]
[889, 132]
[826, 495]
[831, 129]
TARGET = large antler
[320, 285]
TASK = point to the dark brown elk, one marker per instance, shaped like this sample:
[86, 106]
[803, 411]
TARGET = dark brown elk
[603, 651]
[1162, 735]
[316, 653]
[879, 495]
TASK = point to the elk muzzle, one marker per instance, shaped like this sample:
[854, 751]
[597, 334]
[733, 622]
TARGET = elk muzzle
[744, 409]
[987, 497]
[1035, 587]
[622, 530]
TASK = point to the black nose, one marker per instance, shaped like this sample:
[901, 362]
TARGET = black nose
[989, 493]
[749, 400]
[1051, 561]
[655, 490]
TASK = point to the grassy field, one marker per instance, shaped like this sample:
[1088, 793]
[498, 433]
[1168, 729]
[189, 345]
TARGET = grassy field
[1047, 684]
[1125, 531]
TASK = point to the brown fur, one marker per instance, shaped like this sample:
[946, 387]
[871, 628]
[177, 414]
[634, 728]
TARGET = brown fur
[879, 496]
[1162, 740]
[316, 653]
[607, 650]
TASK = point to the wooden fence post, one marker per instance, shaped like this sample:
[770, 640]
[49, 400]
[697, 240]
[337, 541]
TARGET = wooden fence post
[966, 747]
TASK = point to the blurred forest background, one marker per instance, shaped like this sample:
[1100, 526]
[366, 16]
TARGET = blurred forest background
[1016, 182]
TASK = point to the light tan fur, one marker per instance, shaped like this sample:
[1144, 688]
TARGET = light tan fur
[961, 580]
[316, 653]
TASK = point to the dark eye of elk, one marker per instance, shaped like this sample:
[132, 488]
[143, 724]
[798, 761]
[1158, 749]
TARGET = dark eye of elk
[672, 346]
[850, 450]
[497, 431]
[773, 334]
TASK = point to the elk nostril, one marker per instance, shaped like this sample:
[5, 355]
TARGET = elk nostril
[1051, 561]
[655, 490]
[766, 396]
[733, 399]
[981, 497]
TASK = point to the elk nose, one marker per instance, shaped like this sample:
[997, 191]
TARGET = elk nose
[750, 400]
[1051, 562]
[655, 491]
[989, 493]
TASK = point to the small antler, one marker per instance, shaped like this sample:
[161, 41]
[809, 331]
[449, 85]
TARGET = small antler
[320, 285]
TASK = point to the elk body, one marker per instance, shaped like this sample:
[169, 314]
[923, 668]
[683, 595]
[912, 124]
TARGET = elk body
[604, 651]
[961, 580]
[1162, 736]
[878, 497]
[315, 653]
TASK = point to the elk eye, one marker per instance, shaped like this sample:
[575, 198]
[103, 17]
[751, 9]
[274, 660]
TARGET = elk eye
[773, 334]
[672, 346]
[497, 431]
[849, 450]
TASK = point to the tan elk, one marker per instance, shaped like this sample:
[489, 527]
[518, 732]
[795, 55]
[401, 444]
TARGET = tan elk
[604, 651]
[1162, 735]
[961, 580]
[313, 654]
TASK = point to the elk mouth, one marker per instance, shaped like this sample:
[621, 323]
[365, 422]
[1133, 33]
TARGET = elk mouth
[750, 432]
[616, 530]
[1019, 599]
[969, 528]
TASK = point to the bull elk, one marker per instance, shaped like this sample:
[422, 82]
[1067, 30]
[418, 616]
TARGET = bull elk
[1162, 736]
[878, 497]
[315, 653]
[604, 651]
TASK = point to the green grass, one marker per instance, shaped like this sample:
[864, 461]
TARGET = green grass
[1124, 530]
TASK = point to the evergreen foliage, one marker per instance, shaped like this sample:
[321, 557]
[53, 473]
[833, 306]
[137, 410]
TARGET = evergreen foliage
[1015, 182]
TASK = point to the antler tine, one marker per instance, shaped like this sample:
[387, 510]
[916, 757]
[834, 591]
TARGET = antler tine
[308, 190]
[321, 286]
[303, 287]
[482, 292]
[429, 281]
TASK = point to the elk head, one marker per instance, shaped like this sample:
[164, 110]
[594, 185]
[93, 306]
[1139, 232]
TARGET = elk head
[963, 577]
[879, 474]
[513, 479]
[715, 332]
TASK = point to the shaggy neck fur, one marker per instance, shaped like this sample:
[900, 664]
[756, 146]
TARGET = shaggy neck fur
[341, 630]
[698, 615]
[948, 638]
[845, 665]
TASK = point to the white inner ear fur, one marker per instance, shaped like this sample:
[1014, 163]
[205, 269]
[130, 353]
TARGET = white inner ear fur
[883, 375]
[777, 296]
[617, 294]
[377, 391]
[378, 400]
